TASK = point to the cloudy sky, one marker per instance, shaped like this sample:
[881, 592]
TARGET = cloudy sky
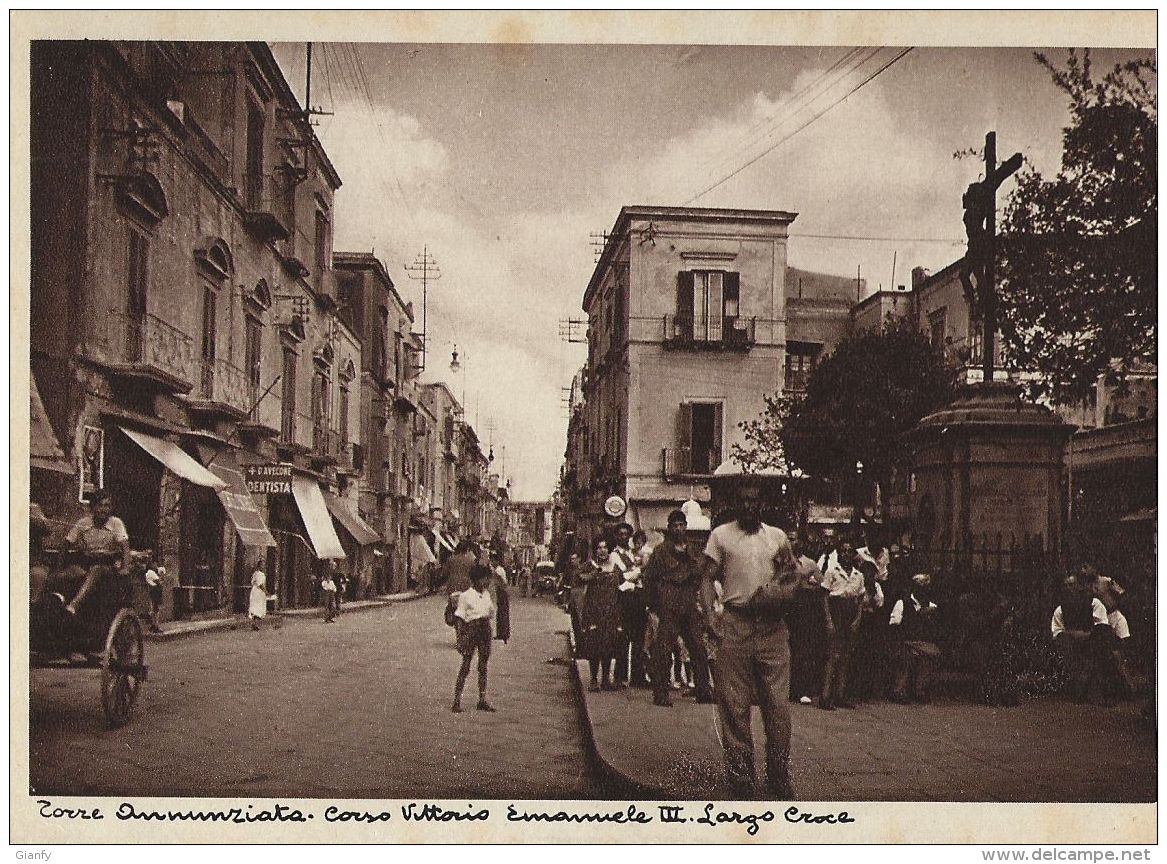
[502, 159]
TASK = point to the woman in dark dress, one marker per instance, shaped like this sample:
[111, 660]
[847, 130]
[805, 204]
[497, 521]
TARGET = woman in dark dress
[602, 627]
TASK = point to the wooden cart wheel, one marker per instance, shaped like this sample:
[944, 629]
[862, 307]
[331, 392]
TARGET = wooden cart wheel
[124, 668]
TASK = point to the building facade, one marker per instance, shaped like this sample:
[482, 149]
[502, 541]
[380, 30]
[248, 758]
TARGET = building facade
[183, 315]
[687, 331]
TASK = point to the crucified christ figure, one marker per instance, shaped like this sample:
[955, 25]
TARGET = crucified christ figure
[979, 201]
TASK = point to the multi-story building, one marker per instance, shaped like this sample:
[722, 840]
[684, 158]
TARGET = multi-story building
[183, 318]
[441, 403]
[369, 301]
[687, 333]
[529, 527]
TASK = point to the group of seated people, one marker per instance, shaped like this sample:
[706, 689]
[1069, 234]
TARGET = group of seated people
[1089, 630]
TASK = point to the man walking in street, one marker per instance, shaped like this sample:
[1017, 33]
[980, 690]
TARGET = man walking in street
[672, 580]
[752, 642]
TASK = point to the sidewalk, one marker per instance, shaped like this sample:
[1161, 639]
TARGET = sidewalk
[179, 629]
[950, 750]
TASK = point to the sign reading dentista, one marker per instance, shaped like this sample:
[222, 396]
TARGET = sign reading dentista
[268, 479]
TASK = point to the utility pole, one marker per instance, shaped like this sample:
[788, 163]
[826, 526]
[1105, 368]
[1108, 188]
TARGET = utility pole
[425, 269]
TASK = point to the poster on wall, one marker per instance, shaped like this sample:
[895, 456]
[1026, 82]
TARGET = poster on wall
[91, 463]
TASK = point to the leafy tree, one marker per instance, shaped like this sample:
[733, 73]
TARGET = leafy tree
[1077, 254]
[858, 403]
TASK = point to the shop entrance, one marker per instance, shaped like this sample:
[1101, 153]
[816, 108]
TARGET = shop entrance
[201, 524]
[134, 479]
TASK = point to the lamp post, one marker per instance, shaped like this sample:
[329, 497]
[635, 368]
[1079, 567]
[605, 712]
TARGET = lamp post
[455, 365]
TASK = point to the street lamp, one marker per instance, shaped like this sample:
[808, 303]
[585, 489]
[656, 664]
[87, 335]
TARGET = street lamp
[455, 365]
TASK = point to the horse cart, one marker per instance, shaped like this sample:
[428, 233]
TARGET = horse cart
[105, 632]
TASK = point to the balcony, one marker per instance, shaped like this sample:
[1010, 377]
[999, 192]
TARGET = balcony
[686, 462]
[324, 443]
[223, 390]
[265, 211]
[147, 350]
[264, 418]
[712, 334]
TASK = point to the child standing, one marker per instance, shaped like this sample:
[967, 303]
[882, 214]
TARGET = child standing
[475, 608]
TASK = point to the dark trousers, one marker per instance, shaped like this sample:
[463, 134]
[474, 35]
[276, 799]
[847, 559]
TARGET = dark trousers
[635, 619]
[753, 664]
[871, 660]
[1089, 660]
[840, 649]
[473, 636]
[687, 624]
[807, 629]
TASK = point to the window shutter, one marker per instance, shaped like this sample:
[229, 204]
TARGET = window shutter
[684, 438]
[684, 303]
[716, 301]
[732, 290]
[718, 447]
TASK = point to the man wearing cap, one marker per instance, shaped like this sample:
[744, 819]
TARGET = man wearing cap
[915, 619]
[672, 580]
[750, 558]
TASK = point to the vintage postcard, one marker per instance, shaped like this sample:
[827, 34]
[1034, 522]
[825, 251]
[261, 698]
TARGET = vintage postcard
[584, 427]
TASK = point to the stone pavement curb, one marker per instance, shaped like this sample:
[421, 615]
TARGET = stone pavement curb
[620, 731]
[181, 629]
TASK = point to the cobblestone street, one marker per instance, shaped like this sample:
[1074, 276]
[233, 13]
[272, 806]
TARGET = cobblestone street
[355, 709]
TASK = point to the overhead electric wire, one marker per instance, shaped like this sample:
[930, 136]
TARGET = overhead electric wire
[950, 241]
[358, 84]
[787, 137]
[791, 108]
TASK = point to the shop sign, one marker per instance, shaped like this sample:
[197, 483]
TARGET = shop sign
[268, 479]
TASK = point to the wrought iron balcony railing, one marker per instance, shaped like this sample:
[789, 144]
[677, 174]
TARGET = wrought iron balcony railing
[223, 383]
[685, 461]
[722, 332]
[147, 346]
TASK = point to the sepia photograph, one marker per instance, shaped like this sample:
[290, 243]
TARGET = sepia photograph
[511, 414]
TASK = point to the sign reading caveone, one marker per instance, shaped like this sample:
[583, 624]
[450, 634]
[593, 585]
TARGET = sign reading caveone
[268, 479]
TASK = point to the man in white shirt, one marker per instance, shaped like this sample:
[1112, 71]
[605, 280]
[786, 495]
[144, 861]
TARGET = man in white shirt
[102, 538]
[843, 584]
[753, 649]
[1080, 630]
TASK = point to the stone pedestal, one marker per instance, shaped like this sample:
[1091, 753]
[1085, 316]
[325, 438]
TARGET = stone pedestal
[987, 471]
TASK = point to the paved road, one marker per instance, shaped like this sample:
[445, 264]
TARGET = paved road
[355, 709]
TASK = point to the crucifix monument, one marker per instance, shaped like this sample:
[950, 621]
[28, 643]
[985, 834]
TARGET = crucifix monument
[987, 469]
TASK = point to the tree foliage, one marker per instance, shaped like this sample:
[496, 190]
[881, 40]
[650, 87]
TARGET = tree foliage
[1077, 254]
[859, 400]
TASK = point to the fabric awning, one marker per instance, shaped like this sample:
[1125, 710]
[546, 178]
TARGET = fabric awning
[176, 459]
[420, 552]
[314, 512]
[237, 501]
[358, 528]
[43, 450]
[443, 540]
